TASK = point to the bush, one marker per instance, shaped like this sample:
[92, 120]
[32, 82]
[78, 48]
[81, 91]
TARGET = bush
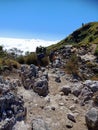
[2, 52]
[12, 63]
[45, 61]
[72, 65]
[8, 63]
[21, 59]
[31, 59]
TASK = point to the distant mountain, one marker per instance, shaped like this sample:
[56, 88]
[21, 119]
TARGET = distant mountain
[87, 34]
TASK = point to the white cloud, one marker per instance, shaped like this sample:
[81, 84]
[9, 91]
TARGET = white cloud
[24, 44]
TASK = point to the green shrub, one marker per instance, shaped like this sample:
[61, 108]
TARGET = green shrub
[9, 63]
[12, 63]
[21, 59]
[31, 59]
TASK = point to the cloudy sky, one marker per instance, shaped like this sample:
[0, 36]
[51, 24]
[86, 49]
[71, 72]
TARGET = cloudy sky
[24, 44]
[44, 19]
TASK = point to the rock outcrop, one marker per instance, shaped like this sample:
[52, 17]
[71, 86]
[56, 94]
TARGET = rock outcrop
[11, 105]
[33, 78]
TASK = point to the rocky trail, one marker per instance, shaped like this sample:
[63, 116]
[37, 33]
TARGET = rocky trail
[47, 99]
[53, 108]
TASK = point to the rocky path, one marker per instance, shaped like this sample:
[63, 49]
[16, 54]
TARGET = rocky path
[54, 99]
[53, 108]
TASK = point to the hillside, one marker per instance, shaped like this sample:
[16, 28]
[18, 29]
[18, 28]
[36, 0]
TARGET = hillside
[87, 34]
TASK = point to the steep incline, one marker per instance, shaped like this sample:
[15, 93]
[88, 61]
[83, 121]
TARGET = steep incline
[87, 34]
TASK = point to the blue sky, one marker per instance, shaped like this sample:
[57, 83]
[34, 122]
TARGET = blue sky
[45, 19]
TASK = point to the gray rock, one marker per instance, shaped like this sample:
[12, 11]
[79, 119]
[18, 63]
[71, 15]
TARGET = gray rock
[92, 119]
[43, 69]
[76, 91]
[45, 75]
[94, 87]
[66, 90]
[4, 115]
[21, 114]
[71, 117]
[73, 107]
[57, 63]
[85, 95]
[8, 124]
[88, 83]
[28, 83]
[41, 87]
[57, 79]
[39, 124]
[69, 124]
[53, 108]
[23, 68]
[11, 105]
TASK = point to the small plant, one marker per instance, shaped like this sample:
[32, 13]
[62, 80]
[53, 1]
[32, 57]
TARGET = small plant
[72, 65]
[45, 61]
[7, 65]
[31, 59]
[11, 63]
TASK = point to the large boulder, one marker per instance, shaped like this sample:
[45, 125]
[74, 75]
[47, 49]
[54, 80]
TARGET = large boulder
[41, 87]
[92, 119]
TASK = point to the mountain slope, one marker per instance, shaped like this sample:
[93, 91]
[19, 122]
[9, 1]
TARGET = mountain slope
[87, 34]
